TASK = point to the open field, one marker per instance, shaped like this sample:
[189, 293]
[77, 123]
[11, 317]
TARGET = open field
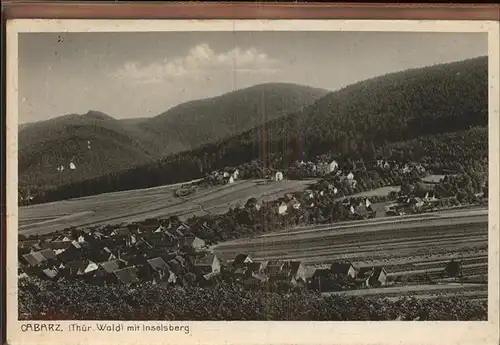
[136, 205]
[405, 246]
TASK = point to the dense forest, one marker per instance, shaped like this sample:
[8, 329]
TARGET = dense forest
[462, 151]
[206, 121]
[77, 300]
[409, 115]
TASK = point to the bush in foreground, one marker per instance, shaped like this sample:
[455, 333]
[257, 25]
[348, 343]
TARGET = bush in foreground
[80, 301]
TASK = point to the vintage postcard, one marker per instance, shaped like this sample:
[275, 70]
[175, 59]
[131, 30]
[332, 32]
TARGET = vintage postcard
[252, 182]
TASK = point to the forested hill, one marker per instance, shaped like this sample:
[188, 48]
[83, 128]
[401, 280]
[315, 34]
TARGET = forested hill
[98, 144]
[76, 147]
[390, 108]
[354, 122]
[206, 121]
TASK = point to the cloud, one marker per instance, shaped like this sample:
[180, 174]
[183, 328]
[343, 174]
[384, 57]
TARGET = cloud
[200, 62]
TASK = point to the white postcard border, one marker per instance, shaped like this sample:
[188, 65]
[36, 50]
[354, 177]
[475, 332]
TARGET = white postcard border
[259, 332]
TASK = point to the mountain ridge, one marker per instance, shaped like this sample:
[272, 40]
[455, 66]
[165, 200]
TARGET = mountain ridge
[353, 122]
[45, 146]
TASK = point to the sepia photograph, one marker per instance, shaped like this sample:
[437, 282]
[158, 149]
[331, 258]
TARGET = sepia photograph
[253, 175]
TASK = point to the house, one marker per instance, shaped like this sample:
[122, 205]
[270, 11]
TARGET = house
[240, 273]
[96, 236]
[97, 254]
[327, 168]
[363, 275]
[235, 174]
[147, 228]
[28, 243]
[241, 260]
[320, 279]
[256, 267]
[34, 259]
[207, 264]
[282, 208]
[430, 197]
[22, 251]
[180, 260]
[121, 232]
[278, 176]
[274, 267]
[131, 240]
[155, 240]
[371, 277]
[416, 202]
[295, 271]
[378, 277]
[309, 273]
[61, 238]
[59, 245]
[192, 242]
[183, 227]
[180, 232]
[417, 167]
[39, 246]
[352, 209]
[127, 275]
[81, 239]
[350, 176]
[254, 280]
[228, 179]
[49, 254]
[343, 270]
[170, 237]
[109, 267]
[73, 252]
[158, 270]
[50, 273]
[79, 267]
[176, 266]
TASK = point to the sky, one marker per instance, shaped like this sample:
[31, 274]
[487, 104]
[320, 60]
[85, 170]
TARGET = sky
[131, 75]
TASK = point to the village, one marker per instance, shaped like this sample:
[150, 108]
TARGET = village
[168, 253]
[341, 184]
[173, 252]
